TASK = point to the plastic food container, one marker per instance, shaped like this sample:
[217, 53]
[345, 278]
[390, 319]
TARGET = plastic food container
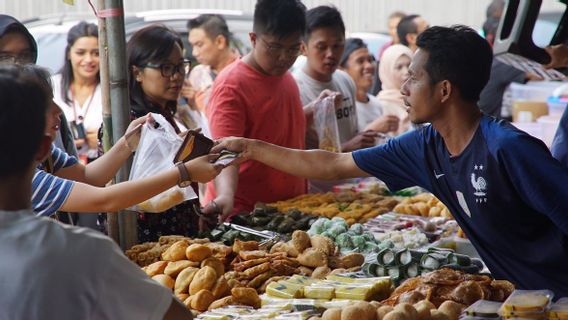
[526, 303]
[484, 309]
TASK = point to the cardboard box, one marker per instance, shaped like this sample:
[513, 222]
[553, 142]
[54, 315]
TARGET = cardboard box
[537, 108]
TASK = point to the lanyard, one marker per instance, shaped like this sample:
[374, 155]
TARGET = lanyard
[79, 119]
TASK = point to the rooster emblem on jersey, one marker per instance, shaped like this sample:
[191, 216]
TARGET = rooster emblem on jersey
[479, 184]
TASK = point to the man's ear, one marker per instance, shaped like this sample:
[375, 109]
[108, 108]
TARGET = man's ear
[221, 42]
[252, 37]
[445, 90]
[304, 48]
[44, 148]
[411, 38]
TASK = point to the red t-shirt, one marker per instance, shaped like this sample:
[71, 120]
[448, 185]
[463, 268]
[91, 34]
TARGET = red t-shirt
[247, 103]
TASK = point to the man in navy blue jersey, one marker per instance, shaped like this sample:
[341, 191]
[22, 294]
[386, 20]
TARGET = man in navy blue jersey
[503, 186]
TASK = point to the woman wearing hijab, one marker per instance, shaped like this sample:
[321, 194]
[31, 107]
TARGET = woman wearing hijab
[393, 72]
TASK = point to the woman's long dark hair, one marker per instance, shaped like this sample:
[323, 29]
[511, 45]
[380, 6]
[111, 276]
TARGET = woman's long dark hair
[152, 44]
[80, 30]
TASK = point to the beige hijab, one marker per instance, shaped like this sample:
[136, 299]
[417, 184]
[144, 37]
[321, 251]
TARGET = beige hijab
[390, 96]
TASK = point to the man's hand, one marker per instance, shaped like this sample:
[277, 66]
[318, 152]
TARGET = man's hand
[558, 56]
[188, 92]
[384, 124]
[243, 146]
[362, 140]
[202, 169]
[221, 207]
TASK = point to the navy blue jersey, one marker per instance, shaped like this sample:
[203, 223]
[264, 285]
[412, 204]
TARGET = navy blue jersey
[505, 190]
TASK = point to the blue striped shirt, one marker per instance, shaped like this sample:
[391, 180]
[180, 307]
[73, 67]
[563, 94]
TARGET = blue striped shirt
[48, 191]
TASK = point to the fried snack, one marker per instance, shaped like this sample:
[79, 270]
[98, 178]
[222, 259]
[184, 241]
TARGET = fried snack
[181, 296]
[259, 280]
[262, 288]
[351, 260]
[254, 271]
[215, 264]
[323, 243]
[321, 272]
[156, 268]
[332, 314]
[383, 310]
[221, 288]
[175, 267]
[300, 240]
[187, 302]
[250, 255]
[170, 239]
[164, 280]
[283, 268]
[306, 271]
[202, 300]
[198, 252]
[279, 247]
[205, 278]
[239, 246]
[423, 309]
[250, 263]
[451, 309]
[220, 251]
[176, 252]
[313, 257]
[220, 303]
[183, 279]
[234, 283]
[246, 296]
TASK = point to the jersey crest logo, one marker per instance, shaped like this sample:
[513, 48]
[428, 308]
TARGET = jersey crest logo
[479, 184]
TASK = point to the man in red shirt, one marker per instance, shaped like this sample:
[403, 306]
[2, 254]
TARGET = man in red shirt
[256, 97]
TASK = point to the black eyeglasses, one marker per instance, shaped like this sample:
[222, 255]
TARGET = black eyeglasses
[20, 58]
[169, 69]
[277, 51]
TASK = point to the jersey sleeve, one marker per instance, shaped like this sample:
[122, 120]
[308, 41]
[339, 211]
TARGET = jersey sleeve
[49, 192]
[539, 179]
[125, 291]
[226, 112]
[399, 163]
[560, 143]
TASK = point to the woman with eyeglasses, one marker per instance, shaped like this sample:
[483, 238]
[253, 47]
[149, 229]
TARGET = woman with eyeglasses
[157, 70]
[76, 88]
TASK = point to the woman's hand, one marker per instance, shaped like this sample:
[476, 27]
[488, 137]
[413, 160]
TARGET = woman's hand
[202, 169]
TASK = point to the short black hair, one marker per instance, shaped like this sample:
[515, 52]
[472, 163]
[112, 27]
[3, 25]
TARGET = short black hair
[406, 26]
[351, 45]
[22, 98]
[280, 18]
[212, 24]
[323, 17]
[457, 54]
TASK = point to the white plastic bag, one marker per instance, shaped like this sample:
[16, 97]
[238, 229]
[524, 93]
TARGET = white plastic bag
[325, 123]
[154, 154]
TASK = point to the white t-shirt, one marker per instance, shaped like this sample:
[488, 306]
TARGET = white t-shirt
[91, 112]
[368, 112]
[341, 82]
[346, 117]
[53, 271]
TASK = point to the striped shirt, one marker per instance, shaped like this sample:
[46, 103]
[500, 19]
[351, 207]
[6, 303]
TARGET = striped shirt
[48, 191]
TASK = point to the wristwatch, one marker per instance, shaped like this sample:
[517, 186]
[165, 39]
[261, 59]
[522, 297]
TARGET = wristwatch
[184, 179]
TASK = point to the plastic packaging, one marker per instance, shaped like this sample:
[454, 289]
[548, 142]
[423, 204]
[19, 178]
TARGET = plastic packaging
[155, 153]
[524, 303]
[325, 123]
[484, 309]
